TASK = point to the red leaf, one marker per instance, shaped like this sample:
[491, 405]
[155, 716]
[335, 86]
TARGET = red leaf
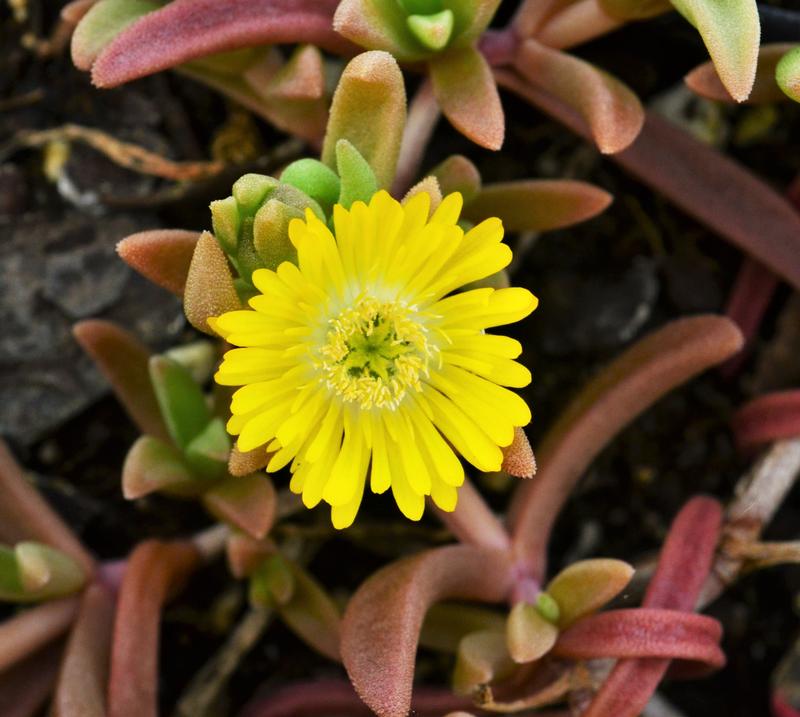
[248, 502]
[636, 380]
[161, 255]
[187, 29]
[767, 419]
[154, 573]
[25, 515]
[712, 188]
[381, 626]
[644, 632]
[83, 680]
[123, 360]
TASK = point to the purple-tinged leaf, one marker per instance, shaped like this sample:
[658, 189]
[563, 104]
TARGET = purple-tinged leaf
[188, 29]
[573, 23]
[767, 419]
[83, 679]
[611, 111]
[538, 204]
[703, 80]
[301, 78]
[155, 572]
[382, 622]
[248, 502]
[632, 383]
[25, 515]
[466, 91]
[123, 360]
[458, 174]
[245, 554]
[731, 32]
[32, 629]
[161, 255]
[644, 632]
[153, 465]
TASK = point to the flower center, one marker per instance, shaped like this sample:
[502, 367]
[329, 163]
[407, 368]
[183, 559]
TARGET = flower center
[374, 352]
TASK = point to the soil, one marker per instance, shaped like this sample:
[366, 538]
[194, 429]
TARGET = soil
[601, 285]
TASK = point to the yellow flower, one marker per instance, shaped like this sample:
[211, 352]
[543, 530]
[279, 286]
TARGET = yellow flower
[360, 362]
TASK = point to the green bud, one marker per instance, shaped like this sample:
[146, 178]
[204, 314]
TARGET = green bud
[433, 31]
[251, 190]
[314, 178]
[358, 179]
[548, 608]
[208, 452]
[271, 232]
[225, 222]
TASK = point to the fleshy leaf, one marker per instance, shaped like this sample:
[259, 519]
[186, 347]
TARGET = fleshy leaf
[312, 615]
[102, 23]
[472, 17]
[382, 622]
[369, 110]
[378, 25]
[301, 78]
[787, 74]
[207, 453]
[772, 417]
[432, 31]
[273, 583]
[458, 174]
[731, 32]
[247, 502]
[181, 400]
[704, 80]
[153, 465]
[271, 233]
[613, 113]
[538, 205]
[161, 255]
[123, 360]
[481, 658]
[633, 382]
[187, 29]
[529, 635]
[245, 554]
[430, 186]
[46, 573]
[314, 178]
[467, 93]
[209, 285]
[586, 586]
[635, 9]
[358, 179]
[448, 623]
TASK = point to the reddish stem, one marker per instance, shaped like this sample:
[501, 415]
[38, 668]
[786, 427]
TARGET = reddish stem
[155, 572]
[473, 522]
[767, 419]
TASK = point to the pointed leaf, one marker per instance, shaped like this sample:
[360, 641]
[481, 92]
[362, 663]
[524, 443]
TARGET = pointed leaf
[432, 31]
[458, 174]
[301, 78]
[273, 583]
[369, 110]
[731, 32]
[161, 255]
[518, 458]
[704, 80]
[378, 25]
[586, 586]
[152, 465]
[209, 285]
[182, 402]
[383, 619]
[358, 179]
[787, 74]
[245, 554]
[481, 658]
[312, 615]
[430, 186]
[613, 113]
[538, 205]
[187, 29]
[529, 636]
[467, 93]
[208, 451]
[247, 502]
[472, 17]
[123, 360]
[102, 23]
[46, 573]
[638, 378]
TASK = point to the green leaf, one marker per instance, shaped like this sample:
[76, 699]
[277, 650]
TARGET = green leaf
[33, 572]
[226, 223]
[181, 400]
[787, 74]
[104, 21]
[482, 657]
[10, 579]
[314, 178]
[273, 583]
[208, 452]
[271, 233]
[465, 88]
[358, 179]
[369, 111]
[251, 190]
[472, 17]
[432, 31]
[731, 31]
[421, 7]
[155, 466]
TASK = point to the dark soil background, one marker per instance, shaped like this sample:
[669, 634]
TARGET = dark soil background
[601, 285]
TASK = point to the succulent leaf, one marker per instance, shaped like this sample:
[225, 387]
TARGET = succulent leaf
[529, 635]
[787, 74]
[155, 466]
[358, 181]
[481, 658]
[246, 502]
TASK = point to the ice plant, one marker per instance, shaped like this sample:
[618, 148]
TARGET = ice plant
[361, 359]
